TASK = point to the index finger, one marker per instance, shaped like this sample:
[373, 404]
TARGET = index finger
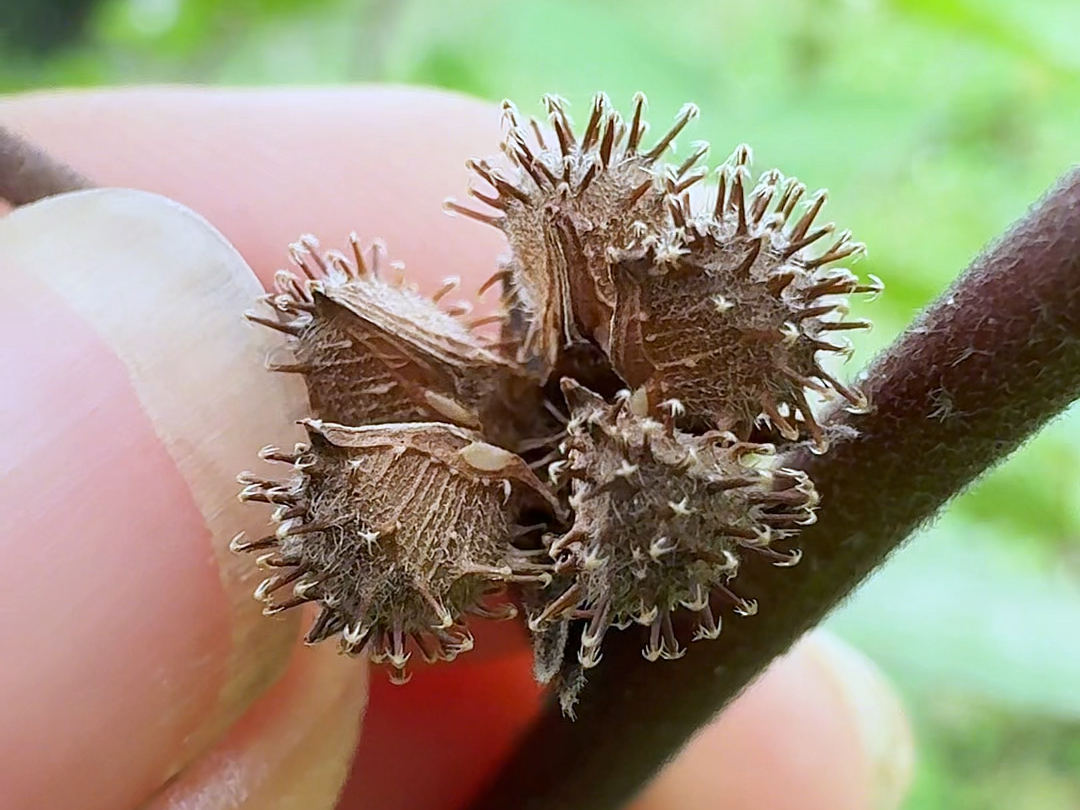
[266, 166]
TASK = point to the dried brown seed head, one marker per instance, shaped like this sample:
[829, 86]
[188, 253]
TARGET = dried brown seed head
[373, 351]
[398, 532]
[661, 517]
[718, 321]
[566, 205]
[728, 311]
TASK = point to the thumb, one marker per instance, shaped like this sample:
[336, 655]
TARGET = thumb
[133, 394]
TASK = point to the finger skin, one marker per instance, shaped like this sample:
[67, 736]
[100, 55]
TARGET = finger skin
[294, 167]
[433, 747]
[793, 741]
[131, 627]
[291, 751]
[266, 166]
[83, 548]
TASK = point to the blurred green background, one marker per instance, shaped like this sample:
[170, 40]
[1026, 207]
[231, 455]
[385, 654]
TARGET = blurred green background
[933, 123]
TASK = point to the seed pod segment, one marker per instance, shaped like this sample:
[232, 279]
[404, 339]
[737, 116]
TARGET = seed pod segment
[398, 532]
[565, 203]
[661, 517]
[728, 311]
[372, 351]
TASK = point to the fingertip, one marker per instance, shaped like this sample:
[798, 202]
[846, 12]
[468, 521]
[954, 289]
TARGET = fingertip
[884, 732]
[265, 166]
[821, 730]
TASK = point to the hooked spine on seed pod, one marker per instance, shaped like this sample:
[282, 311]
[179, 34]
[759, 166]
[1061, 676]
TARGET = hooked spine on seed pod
[612, 456]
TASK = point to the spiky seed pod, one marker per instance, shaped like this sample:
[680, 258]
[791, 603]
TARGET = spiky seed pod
[565, 205]
[729, 311]
[398, 532]
[717, 319]
[374, 351]
[661, 517]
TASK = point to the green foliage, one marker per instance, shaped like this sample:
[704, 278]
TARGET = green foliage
[933, 122]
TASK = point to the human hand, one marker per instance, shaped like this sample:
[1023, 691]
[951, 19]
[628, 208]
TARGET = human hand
[138, 671]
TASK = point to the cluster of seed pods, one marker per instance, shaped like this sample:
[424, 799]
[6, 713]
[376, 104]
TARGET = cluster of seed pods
[603, 462]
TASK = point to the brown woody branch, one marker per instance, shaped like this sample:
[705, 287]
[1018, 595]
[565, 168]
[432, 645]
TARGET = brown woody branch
[979, 372]
[28, 174]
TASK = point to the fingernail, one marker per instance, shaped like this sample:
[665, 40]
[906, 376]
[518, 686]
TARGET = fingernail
[164, 295]
[882, 724]
[291, 751]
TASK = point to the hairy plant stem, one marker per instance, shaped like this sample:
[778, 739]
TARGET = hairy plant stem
[980, 371]
[27, 174]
